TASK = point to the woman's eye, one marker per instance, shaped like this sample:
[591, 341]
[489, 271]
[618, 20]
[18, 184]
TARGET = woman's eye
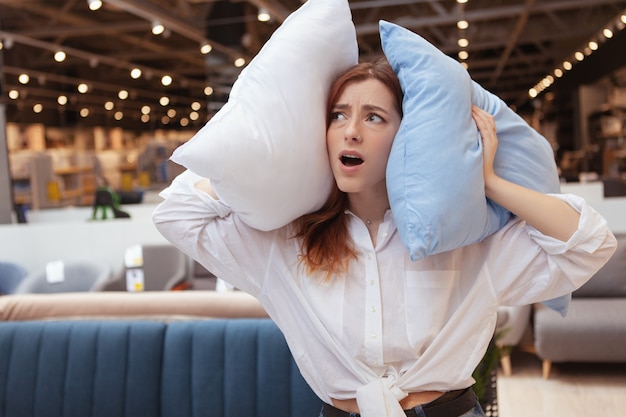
[336, 116]
[374, 118]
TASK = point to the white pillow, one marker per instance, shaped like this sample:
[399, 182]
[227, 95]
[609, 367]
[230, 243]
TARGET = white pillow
[265, 150]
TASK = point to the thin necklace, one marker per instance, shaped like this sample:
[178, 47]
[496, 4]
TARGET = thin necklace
[368, 221]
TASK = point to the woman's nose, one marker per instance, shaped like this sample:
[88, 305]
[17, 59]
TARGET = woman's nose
[352, 133]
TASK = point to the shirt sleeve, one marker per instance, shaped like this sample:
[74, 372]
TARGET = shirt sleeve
[527, 266]
[208, 231]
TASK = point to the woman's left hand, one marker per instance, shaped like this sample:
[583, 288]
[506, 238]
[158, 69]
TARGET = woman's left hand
[487, 127]
[551, 216]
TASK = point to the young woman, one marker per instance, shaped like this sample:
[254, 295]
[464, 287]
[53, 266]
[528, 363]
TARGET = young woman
[371, 331]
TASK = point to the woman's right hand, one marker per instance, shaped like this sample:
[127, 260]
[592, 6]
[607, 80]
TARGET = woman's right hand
[205, 186]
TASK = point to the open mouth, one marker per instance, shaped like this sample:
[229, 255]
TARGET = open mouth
[351, 160]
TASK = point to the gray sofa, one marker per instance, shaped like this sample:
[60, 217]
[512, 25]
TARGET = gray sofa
[594, 329]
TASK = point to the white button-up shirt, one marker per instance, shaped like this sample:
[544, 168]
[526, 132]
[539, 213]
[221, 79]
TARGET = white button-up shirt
[389, 326]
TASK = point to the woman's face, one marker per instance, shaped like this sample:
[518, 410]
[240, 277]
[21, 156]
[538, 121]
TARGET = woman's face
[363, 124]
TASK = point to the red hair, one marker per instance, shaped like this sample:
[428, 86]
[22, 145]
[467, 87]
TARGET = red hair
[326, 243]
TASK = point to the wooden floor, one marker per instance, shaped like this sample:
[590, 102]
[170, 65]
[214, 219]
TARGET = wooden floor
[573, 390]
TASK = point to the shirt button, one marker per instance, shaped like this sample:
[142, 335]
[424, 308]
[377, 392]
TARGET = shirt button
[373, 335]
[373, 309]
[385, 234]
[372, 282]
[369, 256]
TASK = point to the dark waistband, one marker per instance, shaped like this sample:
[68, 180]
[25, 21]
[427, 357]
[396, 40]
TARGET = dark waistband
[450, 404]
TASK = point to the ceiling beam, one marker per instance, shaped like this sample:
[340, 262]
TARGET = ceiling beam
[151, 12]
[513, 39]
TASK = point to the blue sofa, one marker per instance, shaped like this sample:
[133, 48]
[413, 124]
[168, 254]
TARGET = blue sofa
[150, 368]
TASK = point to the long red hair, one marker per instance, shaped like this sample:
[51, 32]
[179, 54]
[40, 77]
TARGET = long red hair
[326, 243]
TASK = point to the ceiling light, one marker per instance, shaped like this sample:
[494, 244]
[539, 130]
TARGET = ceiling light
[171, 113]
[118, 115]
[196, 105]
[145, 109]
[205, 48]
[567, 65]
[462, 24]
[184, 122]
[38, 108]
[23, 78]
[463, 43]
[608, 33]
[14, 94]
[1, 45]
[558, 72]
[164, 101]
[593, 45]
[208, 90]
[194, 115]
[622, 18]
[263, 15]
[62, 100]
[122, 94]
[579, 56]
[84, 112]
[135, 73]
[463, 55]
[145, 118]
[165, 120]
[109, 105]
[83, 88]
[157, 28]
[59, 56]
[94, 4]
[240, 62]
[166, 80]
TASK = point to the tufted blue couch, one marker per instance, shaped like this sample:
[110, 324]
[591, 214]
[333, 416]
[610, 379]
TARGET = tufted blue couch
[150, 368]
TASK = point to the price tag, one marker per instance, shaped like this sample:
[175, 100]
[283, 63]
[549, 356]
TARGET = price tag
[133, 257]
[55, 272]
[134, 280]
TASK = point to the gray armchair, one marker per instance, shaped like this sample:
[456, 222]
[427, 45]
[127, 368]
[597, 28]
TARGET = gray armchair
[65, 276]
[162, 267]
[594, 329]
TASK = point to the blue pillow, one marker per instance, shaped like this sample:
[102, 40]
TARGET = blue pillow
[434, 173]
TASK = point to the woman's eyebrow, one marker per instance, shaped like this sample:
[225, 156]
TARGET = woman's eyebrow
[373, 107]
[366, 107]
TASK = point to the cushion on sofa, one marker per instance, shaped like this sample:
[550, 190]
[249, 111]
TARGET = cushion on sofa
[245, 364]
[610, 280]
[58, 369]
[150, 304]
